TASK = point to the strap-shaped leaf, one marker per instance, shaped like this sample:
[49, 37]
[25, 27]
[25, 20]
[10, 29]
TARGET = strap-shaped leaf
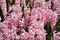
[27, 1]
[58, 26]
[23, 12]
[1, 14]
[48, 28]
[48, 31]
[7, 4]
[30, 6]
[51, 6]
[13, 2]
[48, 37]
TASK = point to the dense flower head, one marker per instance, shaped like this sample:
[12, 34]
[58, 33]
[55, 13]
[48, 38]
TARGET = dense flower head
[56, 36]
[26, 19]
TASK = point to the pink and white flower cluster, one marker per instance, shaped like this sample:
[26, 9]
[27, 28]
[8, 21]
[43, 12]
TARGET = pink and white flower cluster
[31, 25]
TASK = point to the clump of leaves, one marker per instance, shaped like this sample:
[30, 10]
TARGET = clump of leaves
[48, 31]
[1, 14]
[58, 25]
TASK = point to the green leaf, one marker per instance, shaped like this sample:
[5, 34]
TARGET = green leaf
[7, 4]
[1, 14]
[30, 6]
[58, 26]
[13, 2]
[23, 9]
[26, 1]
[51, 6]
[48, 28]
[23, 12]
[48, 31]
[48, 37]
